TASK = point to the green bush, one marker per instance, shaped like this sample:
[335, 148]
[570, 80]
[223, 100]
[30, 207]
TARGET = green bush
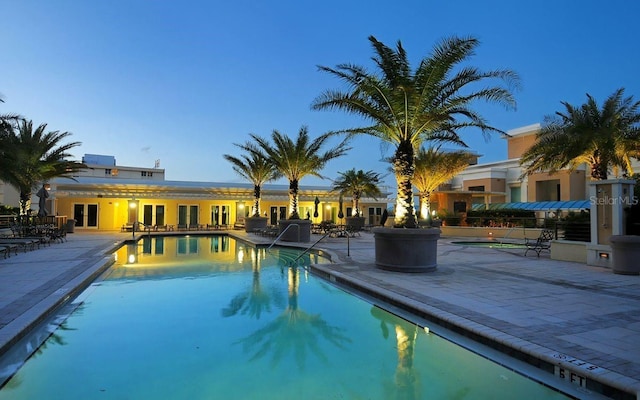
[502, 218]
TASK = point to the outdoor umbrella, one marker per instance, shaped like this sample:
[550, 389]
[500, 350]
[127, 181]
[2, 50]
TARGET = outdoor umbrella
[315, 211]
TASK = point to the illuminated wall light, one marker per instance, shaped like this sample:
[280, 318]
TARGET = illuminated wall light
[132, 259]
[603, 255]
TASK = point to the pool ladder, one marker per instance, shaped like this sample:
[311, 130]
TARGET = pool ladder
[305, 250]
[282, 233]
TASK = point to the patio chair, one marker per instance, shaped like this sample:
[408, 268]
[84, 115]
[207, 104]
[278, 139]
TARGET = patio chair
[8, 248]
[541, 243]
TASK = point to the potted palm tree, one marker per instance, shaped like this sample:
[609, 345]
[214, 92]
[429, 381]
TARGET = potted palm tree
[357, 184]
[256, 168]
[408, 108]
[295, 160]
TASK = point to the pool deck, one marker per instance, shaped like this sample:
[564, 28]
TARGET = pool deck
[582, 320]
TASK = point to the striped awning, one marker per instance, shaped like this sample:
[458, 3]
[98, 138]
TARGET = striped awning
[538, 205]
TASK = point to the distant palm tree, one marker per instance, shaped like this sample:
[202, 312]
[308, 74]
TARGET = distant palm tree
[435, 167]
[357, 184]
[604, 139]
[408, 107]
[257, 169]
[33, 157]
[295, 160]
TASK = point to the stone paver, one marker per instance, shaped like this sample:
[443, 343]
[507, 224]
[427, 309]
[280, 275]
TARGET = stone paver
[581, 318]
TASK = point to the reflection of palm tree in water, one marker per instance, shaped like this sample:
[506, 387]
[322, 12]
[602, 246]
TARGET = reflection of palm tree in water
[406, 384]
[255, 300]
[294, 331]
[56, 338]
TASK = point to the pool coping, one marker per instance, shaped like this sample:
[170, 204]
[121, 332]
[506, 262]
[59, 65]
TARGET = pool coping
[540, 357]
[22, 325]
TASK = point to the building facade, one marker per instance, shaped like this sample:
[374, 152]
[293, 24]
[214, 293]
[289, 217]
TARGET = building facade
[108, 197]
[504, 182]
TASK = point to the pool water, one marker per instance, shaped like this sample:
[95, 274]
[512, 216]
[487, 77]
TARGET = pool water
[213, 318]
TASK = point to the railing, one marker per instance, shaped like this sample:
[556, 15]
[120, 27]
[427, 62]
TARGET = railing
[573, 230]
[310, 247]
[283, 232]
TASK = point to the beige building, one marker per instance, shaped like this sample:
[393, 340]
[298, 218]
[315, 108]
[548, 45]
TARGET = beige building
[503, 181]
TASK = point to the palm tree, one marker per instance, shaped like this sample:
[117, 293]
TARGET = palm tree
[604, 139]
[34, 157]
[256, 168]
[7, 123]
[295, 160]
[358, 184]
[408, 107]
[435, 167]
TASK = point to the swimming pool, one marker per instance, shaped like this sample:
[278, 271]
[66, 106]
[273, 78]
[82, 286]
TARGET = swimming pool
[491, 244]
[211, 317]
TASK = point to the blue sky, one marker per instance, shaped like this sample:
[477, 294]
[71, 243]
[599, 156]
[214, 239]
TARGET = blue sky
[180, 82]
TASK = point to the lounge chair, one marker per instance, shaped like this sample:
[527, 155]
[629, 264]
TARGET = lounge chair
[541, 243]
[8, 248]
[23, 243]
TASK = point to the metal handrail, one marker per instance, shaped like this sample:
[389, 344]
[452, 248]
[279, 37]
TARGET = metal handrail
[310, 247]
[282, 233]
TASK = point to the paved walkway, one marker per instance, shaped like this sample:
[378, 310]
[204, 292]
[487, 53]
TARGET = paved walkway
[584, 321]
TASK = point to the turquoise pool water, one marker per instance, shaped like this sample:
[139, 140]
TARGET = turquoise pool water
[213, 318]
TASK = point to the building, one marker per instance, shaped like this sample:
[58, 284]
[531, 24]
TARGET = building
[108, 197]
[483, 185]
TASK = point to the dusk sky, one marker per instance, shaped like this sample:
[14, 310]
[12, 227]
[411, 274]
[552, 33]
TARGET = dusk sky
[181, 81]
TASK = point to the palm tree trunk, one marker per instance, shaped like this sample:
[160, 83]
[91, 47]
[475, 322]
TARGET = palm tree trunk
[404, 167]
[256, 200]
[599, 169]
[425, 205]
[25, 201]
[293, 199]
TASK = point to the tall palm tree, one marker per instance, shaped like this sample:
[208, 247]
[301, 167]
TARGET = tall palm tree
[257, 169]
[605, 139]
[297, 159]
[357, 184]
[35, 156]
[409, 107]
[435, 167]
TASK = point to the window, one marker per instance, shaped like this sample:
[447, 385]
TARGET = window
[107, 171]
[459, 206]
[476, 188]
[148, 174]
[516, 194]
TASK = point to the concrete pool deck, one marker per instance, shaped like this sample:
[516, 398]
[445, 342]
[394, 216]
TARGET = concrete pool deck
[582, 320]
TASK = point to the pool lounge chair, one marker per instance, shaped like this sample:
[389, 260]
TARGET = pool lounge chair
[541, 243]
[8, 248]
[23, 243]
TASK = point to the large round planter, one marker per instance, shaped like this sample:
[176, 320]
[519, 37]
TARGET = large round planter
[355, 223]
[625, 254]
[406, 250]
[253, 224]
[299, 231]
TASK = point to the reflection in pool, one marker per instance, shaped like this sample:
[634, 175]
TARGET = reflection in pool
[213, 318]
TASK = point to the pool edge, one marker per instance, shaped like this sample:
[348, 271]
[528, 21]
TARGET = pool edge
[607, 383]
